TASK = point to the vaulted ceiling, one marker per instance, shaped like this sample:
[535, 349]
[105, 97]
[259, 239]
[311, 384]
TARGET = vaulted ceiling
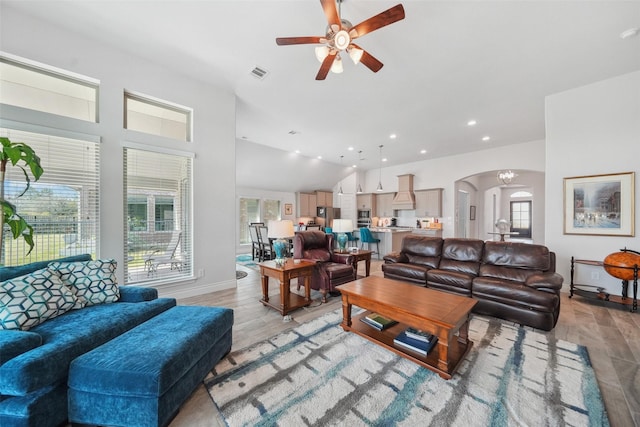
[446, 63]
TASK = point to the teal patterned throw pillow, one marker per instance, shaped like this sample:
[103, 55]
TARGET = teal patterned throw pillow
[29, 300]
[92, 282]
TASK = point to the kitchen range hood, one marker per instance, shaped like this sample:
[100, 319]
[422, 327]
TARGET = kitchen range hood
[404, 198]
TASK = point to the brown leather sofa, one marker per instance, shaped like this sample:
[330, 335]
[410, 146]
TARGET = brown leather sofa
[512, 281]
[330, 270]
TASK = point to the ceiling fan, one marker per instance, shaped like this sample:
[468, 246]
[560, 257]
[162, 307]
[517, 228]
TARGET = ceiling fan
[340, 35]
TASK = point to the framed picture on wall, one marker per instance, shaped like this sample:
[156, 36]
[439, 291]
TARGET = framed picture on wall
[288, 209]
[600, 205]
[472, 213]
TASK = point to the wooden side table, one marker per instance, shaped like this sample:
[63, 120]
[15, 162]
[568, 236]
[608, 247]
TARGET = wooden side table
[359, 255]
[287, 301]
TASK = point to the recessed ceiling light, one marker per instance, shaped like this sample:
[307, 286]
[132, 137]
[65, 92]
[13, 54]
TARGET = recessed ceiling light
[631, 32]
[297, 151]
[423, 151]
[319, 157]
[354, 166]
[393, 136]
[384, 160]
[472, 123]
[486, 138]
[350, 148]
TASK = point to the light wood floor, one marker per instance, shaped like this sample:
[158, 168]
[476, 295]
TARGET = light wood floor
[610, 332]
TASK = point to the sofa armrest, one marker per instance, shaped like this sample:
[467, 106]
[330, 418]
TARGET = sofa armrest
[15, 342]
[395, 257]
[137, 294]
[545, 281]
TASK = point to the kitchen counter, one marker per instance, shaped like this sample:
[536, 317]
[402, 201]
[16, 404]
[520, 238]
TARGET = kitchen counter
[390, 238]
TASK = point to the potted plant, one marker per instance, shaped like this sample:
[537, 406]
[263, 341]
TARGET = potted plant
[21, 155]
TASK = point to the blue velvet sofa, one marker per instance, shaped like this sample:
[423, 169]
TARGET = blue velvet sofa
[34, 364]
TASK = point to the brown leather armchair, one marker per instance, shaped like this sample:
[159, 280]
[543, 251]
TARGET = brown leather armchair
[330, 270]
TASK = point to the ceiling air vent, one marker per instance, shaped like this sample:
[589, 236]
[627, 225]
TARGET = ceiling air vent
[259, 73]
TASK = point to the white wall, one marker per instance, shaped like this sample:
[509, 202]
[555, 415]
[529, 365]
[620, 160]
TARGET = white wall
[444, 172]
[591, 130]
[214, 139]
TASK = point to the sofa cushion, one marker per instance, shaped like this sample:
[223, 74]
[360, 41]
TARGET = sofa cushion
[461, 255]
[514, 294]
[451, 281]
[506, 273]
[335, 270]
[70, 335]
[517, 255]
[422, 250]
[411, 272]
[29, 300]
[7, 273]
[13, 343]
[93, 282]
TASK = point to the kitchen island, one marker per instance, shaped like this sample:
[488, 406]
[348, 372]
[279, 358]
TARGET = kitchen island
[390, 238]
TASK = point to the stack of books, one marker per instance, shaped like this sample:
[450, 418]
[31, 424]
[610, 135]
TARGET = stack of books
[377, 321]
[416, 340]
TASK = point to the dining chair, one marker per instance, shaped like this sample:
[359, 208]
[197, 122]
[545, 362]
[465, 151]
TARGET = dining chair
[255, 242]
[266, 248]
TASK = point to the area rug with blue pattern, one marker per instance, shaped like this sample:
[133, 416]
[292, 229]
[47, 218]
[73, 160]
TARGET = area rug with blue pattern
[246, 261]
[318, 375]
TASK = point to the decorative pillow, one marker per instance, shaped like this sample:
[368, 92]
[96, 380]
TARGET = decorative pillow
[92, 282]
[29, 300]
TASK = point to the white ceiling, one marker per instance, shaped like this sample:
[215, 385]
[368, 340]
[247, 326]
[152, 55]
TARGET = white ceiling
[447, 62]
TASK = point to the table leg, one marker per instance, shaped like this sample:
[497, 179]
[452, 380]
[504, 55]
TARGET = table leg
[346, 313]
[463, 334]
[284, 295]
[443, 353]
[307, 287]
[367, 264]
[265, 288]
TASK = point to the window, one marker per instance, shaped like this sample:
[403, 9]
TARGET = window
[63, 205]
[249, 212]
[148, 115]
[521, 218]
[158, 206]
[39, 87]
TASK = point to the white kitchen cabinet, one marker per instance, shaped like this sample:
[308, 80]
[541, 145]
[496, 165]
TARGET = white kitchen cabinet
[429, 202]
[324, 198]
[384, 205]
[366, 202]
[307, 205]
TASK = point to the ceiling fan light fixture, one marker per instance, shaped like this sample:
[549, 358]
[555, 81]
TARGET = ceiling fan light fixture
[341, 40]
[322, 52]
[355, 54]
[336, 67]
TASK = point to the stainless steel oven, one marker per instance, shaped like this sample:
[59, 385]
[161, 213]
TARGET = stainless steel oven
[364, 218]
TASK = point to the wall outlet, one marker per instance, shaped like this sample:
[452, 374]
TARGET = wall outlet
[595, 275]
[200, 272]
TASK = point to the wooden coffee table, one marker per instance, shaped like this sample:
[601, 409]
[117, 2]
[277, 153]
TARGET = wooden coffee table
[287, 301]
[439, 313]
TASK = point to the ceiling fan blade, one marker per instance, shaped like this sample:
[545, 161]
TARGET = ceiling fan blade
[369, 60]
[389, 16]
[330, 11]
[284, 41]
[326, 65]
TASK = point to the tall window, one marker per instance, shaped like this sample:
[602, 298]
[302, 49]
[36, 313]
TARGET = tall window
[521, 218]
[148, 115]
[256, 210]
[249, 212]
[39, 87]
[157, 209]
[63, 205]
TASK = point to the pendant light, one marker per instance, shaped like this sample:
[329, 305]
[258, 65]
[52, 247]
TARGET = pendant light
[379, 188]
[340, 192]
[359, 191]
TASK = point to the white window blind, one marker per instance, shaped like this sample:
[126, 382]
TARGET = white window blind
[62, 206]
[157, 208]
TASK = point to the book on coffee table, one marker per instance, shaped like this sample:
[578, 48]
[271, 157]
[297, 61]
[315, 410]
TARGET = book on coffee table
[419, 346]
[377, 321]
[419, 334]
